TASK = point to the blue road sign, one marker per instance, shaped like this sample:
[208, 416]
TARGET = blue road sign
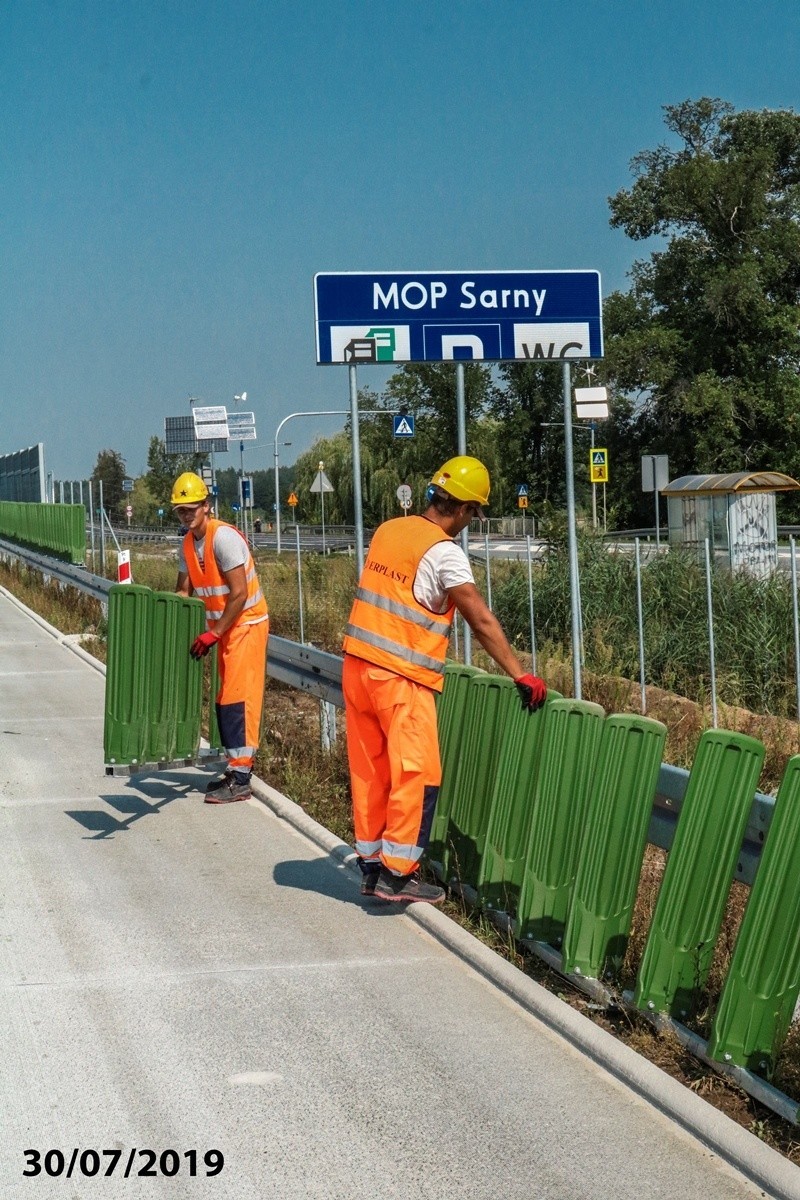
[497, 316]
[403, 424]
[522, 489]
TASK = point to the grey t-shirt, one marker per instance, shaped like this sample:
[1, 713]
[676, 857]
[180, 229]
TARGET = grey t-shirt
[230, 550]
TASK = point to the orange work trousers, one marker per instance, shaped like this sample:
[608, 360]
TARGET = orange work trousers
[242, 665]
[395, 768]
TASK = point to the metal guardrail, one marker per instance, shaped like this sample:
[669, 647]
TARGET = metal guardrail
[319, 674]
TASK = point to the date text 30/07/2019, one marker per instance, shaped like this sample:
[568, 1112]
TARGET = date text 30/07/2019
[105, 1162]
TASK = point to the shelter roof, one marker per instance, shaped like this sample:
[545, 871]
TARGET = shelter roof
[737, 481]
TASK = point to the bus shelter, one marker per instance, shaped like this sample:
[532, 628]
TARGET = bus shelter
[736, 512]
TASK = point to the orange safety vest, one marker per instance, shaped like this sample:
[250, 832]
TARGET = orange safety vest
[209, 583]
[387, 625]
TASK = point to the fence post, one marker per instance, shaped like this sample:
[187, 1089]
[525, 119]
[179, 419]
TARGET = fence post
[530, 603]
[796, 626]
[488, 572]
[640, 618]
[710, 608]
[299, 586]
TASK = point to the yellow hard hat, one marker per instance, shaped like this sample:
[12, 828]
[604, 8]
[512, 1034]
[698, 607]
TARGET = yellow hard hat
[188, 488]
[464, 478]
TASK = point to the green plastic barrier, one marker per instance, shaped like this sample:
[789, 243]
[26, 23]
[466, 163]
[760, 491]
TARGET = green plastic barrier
[691, 902]
[161, 714]
[491, 701]
[126, 726]
[57, 528]
[153, 686]
[188, 677]
[450, 707]
[511, 807]
[175, 678]
[763, 983]
[557, 819]
[610, 856]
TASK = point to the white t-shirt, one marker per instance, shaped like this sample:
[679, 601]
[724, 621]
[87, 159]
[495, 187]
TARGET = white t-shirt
[444, 566]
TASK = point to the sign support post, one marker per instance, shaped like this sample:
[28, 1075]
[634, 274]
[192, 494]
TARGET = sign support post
[354, 434]
[575, 602]
[461, 427]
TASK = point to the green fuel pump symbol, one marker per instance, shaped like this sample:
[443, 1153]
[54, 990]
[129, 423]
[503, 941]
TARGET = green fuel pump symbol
[384, 344]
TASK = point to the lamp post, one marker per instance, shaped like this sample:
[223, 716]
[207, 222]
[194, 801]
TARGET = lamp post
[328, 412]
[318, 413]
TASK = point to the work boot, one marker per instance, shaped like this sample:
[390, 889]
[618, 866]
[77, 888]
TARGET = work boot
[230, 788]
[407, 888]
[369, 875]
[215, 784]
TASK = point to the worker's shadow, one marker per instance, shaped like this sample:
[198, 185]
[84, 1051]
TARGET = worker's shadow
[162, 789]
[329, 877]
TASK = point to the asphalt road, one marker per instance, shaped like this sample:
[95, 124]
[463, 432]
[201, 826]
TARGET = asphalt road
[187, 978]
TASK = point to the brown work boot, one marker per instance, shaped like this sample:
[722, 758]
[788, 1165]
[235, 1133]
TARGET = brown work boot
[406, 888]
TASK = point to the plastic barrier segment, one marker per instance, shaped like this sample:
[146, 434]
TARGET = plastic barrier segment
[511, 808]
[450, 707]
[612, 849]
[690, 906]
[125, 731]
[763, 984]
[491, 700]
[557, 818]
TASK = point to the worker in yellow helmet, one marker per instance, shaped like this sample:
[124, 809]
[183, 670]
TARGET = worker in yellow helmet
[214, 562]
[414, 579]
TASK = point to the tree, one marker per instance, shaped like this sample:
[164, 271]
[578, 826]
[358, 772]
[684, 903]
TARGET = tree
[163, 469]
[527, 400]
[110, 470]
[706, 339]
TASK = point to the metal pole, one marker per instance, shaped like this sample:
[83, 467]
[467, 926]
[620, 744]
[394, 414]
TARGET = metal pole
[322, 499]
[640, 617]
[594, 488]
[488, 572]
[796, 625]
[277, 498]
[655, 493]
[355, 437]
[461, 428]
[572, 534]
[530, 603]
[102, 533]
[91, 522]
[711, 637]
[299, 585]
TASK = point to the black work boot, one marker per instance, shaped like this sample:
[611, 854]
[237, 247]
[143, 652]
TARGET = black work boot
[406, 888]
[369, 875]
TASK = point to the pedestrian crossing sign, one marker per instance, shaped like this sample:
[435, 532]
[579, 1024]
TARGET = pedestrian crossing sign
[403, 425]
[598, 465]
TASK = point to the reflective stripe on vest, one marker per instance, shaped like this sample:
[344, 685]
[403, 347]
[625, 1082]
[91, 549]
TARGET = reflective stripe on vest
[387, 625]
[209, 583]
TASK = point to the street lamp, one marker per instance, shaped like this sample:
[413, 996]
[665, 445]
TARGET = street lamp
[328, 412]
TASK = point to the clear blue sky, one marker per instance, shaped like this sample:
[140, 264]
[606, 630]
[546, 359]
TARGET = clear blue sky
[173, 173]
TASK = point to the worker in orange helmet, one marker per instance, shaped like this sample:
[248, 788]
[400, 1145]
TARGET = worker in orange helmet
[214, 562]
[414, 579]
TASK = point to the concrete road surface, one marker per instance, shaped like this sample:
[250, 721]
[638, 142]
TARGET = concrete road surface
[177, 977]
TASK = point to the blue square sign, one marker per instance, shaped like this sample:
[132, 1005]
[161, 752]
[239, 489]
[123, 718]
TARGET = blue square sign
[403, 425]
